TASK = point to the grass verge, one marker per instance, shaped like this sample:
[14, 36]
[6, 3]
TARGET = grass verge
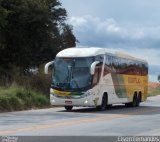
[20, 98]
[154, 92]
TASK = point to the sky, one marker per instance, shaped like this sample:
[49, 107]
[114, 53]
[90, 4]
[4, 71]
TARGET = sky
[127, 26]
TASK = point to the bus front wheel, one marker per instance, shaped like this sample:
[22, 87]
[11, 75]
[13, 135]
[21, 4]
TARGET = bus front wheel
[68, 108]
[103, 105]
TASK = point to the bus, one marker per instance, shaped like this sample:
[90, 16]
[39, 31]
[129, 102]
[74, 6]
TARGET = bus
[95, 77]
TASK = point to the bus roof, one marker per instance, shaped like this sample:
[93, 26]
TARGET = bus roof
[93, 51]
[81, 52]
[124, 55]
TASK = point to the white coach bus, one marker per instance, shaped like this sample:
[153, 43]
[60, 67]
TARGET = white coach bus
[93, 77]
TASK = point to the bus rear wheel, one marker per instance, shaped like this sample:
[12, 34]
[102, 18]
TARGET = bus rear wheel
[138, 100]
[134, 103]
[68, 108]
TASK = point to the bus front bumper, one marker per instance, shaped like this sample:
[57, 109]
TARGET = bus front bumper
[85, 101]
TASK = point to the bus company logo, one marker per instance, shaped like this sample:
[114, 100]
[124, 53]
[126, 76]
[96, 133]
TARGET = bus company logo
[134, 80]
[9, 139]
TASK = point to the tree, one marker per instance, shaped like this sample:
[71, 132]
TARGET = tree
[31, 31]
[68, 37]
[3, 21]
[3, 16]
[159, 78]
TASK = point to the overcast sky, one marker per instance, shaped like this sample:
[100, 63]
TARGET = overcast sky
[129, 26]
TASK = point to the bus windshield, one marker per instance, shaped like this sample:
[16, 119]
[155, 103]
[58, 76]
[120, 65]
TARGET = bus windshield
[72, 74]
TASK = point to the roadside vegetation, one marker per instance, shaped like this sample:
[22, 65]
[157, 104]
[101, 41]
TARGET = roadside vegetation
[25, 92]
[153, 89]
[31, 34]
[154, 92]
[19, 98]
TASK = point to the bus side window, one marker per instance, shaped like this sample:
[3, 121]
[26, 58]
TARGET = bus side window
[97, 75]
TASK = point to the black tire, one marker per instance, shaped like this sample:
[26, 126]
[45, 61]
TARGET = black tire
[138, 101]
[134, 103]
[103, 105]
[68, 108]
[109, 106]
[128, 104]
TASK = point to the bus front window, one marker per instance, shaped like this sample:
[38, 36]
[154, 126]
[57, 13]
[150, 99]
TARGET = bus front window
[72, 74]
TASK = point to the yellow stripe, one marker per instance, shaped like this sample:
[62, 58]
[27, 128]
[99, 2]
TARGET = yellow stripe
[61, 93]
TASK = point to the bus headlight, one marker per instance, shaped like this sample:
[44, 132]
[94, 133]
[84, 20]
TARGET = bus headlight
[51, 91]
[51, 96]
[52, 100]
[86, 102]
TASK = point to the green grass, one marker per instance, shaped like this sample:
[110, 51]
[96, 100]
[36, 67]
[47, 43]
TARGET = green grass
[20, 98]
[154, 92]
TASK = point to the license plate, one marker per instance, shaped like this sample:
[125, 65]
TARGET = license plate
[68, 102]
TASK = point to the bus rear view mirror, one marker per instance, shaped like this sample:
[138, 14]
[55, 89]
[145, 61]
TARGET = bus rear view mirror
[93, 66]
[47, 66]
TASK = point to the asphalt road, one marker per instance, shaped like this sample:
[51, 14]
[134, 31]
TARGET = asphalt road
[116, 121]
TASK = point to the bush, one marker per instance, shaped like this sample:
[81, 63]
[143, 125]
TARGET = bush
[9, 103]
[36, 81]
[19, 98]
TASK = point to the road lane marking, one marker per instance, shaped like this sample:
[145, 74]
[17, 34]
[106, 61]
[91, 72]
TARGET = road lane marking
[74, 122]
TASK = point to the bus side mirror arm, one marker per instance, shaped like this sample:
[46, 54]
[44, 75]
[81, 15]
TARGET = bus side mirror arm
[93, 66]
[47, 66]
